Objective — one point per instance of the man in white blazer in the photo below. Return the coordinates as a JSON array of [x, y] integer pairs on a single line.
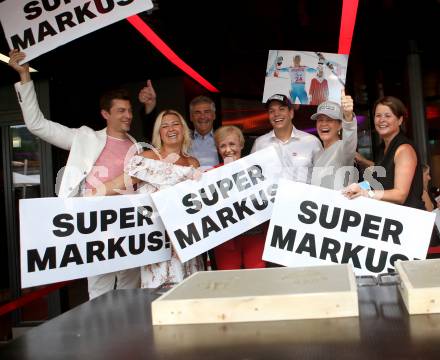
[[90, 152]]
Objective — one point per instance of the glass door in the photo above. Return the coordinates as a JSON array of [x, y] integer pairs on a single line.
[[25, 173]]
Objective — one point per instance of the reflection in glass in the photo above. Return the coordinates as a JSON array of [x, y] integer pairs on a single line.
[[26, 169], [25, 163]]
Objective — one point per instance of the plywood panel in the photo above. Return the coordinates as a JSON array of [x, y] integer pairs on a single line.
[[420, 285], [260, 295]]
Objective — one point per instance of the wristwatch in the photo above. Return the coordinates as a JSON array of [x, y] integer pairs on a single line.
[[370, 194]]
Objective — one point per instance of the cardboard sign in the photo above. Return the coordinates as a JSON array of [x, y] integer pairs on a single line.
[[311, 225], [306, 77], [79, 237], [225, 202], [37, 27]]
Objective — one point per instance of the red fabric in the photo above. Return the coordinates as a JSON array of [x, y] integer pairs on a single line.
[[318, 91], [25, 299], [434, 250], [244, 251]]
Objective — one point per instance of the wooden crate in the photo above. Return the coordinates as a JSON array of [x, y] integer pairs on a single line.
[[420, 285], [201, 337], [259, 295]]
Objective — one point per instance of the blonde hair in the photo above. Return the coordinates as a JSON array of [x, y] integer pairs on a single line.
[[157, 141], [226, 130]]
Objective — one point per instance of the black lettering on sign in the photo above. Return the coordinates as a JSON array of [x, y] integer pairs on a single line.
[[126, 218], [280, 242], [93, 222], [369, 225], [241, 208], [225, 185], [193, 206], [259, 205], [83, 12], [330, 247], [256, 172], [381, 263], [224, 215], [32, 9], [95, 249], [116, 247], [272, 191], [45, 29], [323, 217], [241, 181], [306, 207], [62, 221], [132, 244], [350, 219], [50, 5], [71, 255], [107, 217], [64, 19], [124, 2], [23, 43], [214, 195], [47, 262], [144, 213], [208, 225], [188, 238], [155, 239], [109, 5], [392, 228], [307, 244], [350, 253]]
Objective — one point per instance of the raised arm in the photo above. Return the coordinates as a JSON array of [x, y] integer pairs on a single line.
[[349, 126], [15, 57], [52, 132], [147, 96]]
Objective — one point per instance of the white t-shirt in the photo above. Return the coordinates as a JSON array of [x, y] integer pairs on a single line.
[[297, 154]]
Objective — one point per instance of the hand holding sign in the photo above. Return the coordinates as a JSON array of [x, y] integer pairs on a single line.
[[353, 191], [147, 96], [15, 57], [346, 106]]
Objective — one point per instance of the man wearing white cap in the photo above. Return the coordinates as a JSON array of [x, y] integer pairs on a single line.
[[334, 165], [297, 149]]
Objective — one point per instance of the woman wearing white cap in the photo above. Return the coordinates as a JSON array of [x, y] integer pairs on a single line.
[[334, 168]]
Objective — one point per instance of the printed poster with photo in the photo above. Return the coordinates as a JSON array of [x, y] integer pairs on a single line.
[[306, 77]]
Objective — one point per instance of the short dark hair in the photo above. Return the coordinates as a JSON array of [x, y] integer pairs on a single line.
[[396, 105], [106, 100]]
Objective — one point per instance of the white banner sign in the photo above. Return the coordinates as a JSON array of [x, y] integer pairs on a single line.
[[311, 225], [70, 238], [37, 27], [225, 202]]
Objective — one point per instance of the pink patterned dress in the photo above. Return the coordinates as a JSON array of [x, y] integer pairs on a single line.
[[157, 175]]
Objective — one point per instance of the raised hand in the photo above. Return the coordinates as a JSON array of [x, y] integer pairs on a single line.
[[15, 56], [147, 96], [346, 106]]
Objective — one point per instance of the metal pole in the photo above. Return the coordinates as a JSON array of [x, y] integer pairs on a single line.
[[416, 102]]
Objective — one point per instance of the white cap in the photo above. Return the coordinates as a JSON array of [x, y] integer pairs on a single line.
[[329, 108]]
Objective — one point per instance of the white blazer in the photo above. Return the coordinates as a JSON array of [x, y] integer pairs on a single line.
[[84, 143]]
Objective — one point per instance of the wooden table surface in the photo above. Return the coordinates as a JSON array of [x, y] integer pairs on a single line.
[[117, 325]]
